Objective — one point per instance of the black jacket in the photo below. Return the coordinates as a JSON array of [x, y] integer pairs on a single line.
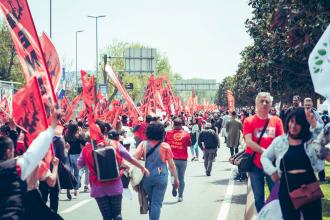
[[210, 139]]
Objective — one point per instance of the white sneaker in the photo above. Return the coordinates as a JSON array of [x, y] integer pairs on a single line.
[[180, 199]]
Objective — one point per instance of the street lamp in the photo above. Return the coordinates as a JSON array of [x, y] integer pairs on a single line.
[[77, 57], [97, 53]]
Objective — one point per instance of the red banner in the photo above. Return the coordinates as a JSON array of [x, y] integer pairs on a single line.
[[66, 109], [89, 100], [121, 89], [28, 48], [4, 110], [75, 101], [231, 101], [88, 89], [28, 110], [52, 60]]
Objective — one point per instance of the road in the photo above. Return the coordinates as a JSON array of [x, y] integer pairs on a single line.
[[216, 197]]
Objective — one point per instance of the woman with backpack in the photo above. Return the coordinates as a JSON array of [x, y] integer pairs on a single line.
[[157, 156], [108, 194]]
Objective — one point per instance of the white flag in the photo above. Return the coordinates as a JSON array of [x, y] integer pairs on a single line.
[[319, 65]]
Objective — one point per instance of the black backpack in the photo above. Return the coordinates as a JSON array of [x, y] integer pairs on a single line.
[[105, 163]]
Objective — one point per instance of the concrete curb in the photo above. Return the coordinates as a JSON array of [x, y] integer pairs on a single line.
[[250, 211]]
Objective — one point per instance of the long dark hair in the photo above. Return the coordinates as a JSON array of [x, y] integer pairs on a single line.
[[71, 132], [299, 115]]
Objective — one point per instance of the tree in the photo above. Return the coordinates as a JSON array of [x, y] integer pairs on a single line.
[[117, 49], [10, 69], [284, 33], [227, 83]]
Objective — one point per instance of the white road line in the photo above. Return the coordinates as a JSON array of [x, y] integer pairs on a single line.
[[76, 206], [225, 206]]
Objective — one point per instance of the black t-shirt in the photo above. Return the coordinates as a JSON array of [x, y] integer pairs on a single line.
[[296, 159], [76, 145]]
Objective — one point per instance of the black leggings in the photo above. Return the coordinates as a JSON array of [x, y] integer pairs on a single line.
[[110, 207], [311, 211]]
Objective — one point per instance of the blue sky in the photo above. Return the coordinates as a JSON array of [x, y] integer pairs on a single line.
[[201, 38]]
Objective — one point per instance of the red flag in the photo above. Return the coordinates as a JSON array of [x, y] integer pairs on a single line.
[[4, 110], [66, 108], [52, 60], [122, 90], [89, 100], [88, 89], [26, 41], [76, 101], [28, 109], [231, 101]]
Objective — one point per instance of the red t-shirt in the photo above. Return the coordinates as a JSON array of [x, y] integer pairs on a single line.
[[140, 131], [179, 140], [254, 125]]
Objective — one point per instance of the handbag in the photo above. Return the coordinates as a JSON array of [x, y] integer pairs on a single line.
[[136, 173], [305, 194], [66, 179], [245, 162]]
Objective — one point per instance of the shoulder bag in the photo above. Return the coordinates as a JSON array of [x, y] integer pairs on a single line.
[[245, 161], [136, 173], [305, 194]]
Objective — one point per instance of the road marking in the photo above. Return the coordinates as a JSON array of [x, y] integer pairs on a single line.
[[76, 206], [225, 206]]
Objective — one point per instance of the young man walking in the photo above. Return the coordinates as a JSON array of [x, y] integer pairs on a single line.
[[179, 140]]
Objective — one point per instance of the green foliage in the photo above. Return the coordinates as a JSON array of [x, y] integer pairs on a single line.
[[284, 33], [9, 64], [227, 83], [117, 49]]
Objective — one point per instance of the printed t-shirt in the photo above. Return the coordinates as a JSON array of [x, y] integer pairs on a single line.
[[179, 140], [164, 151], [254, 125]]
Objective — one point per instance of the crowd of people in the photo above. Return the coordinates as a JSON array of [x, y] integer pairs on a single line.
[[288, 145]]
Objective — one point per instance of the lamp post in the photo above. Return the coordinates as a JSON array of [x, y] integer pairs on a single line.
[[97, 53], [77, 57]]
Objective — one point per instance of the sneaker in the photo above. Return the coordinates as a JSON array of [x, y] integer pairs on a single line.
[[192, 159], [86, 189], [180, 199], [68, 194], [76, 192], [208, 174], [196, 159], [237, 178], [174, 192]]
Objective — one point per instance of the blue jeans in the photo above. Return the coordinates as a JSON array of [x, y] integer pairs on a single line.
[[257, 177], [194, 150], [180, 166], [155, 187], [74, 168]]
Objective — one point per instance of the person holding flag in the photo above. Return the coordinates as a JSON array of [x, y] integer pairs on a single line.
[[14, 171]]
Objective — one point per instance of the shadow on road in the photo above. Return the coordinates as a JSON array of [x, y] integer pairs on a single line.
[[239, 199], [169, 203], [220, 182]]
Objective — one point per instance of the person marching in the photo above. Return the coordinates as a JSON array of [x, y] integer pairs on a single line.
[[179, 140]]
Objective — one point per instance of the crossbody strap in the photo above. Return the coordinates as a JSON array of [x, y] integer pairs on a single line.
[[152, 149], [262, 133], [286, 177]]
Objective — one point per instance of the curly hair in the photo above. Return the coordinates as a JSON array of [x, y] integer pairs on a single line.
[[155, 131]]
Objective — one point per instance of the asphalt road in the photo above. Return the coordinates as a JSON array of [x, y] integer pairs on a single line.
[[215, 197]]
